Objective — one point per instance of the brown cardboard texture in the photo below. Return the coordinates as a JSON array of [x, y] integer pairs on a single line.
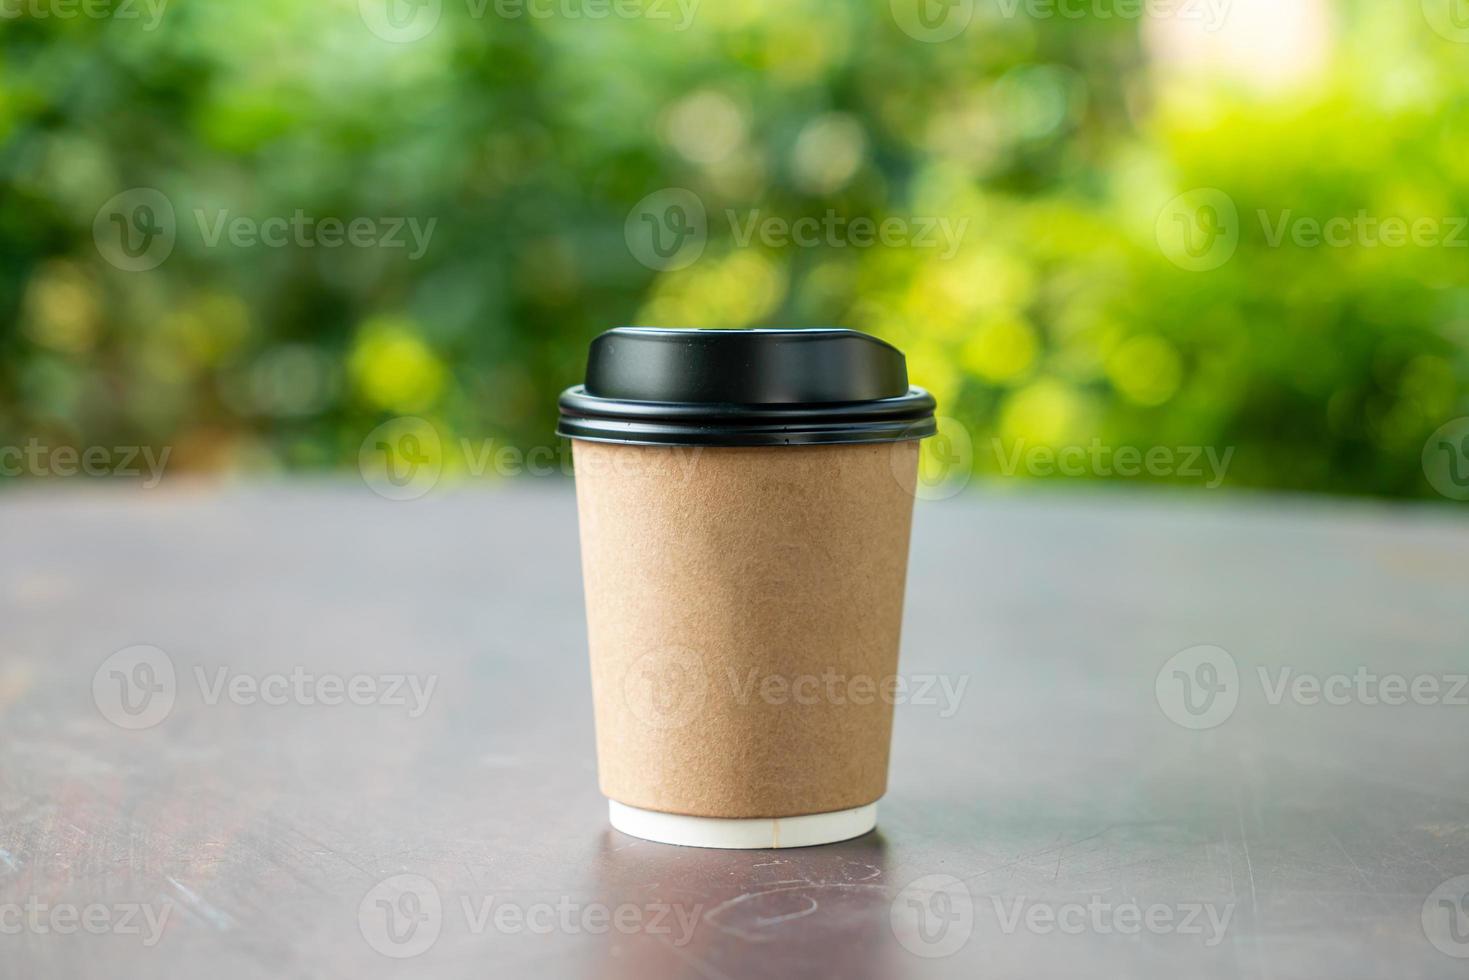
[[743, 610]]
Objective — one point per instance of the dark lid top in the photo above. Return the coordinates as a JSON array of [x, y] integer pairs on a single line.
[[744, 388]]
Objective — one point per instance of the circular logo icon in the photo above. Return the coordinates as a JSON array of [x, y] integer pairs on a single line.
[[932, 21], [1448, 18], [135, 687], [1198, 687], [401, 916], [135, 230], [1446, 917], [1446, 459], [402, 458], [945, 462], [666, 230], [933, 916], [666, 688], [1199, 230], [400, 21]]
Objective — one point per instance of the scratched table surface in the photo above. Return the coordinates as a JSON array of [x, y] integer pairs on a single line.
[[1087, 804]]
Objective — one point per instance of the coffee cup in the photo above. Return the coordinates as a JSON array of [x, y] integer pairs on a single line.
[[745, 503]]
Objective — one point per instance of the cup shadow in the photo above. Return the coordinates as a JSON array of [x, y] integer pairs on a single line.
[[792, 912]]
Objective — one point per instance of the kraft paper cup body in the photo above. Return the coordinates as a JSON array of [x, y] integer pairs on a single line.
[[743, 608]]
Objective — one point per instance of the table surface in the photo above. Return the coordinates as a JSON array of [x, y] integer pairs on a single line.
[[1052, 820]]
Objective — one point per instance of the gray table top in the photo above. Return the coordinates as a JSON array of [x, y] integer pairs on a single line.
[[1088, 805]]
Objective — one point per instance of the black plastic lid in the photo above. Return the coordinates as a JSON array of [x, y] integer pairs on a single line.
[[658, 386]]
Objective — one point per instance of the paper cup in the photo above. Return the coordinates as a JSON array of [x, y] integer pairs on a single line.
[[744, 605]]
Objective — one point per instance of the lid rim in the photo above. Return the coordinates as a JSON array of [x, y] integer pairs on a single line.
[[653, 434], [577, 402]]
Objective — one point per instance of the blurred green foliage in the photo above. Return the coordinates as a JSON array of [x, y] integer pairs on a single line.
[[528, 138]]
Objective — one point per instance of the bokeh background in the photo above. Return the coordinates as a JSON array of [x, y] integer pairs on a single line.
[[530, 136]]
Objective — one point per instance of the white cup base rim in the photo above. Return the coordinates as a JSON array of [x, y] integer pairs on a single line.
[[804, 831]]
